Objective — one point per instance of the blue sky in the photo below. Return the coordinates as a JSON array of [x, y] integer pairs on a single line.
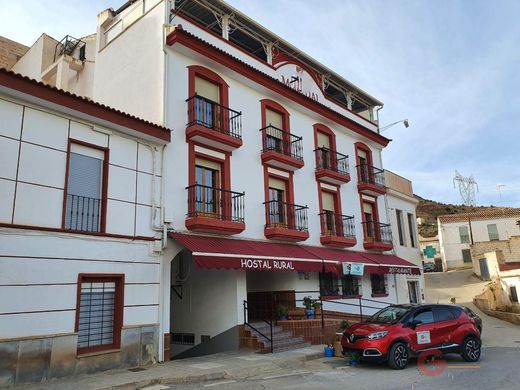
[[450, 66]]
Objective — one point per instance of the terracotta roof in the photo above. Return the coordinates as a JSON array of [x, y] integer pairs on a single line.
[[173, 37], [509, 266], [494, 213], [26, 85]]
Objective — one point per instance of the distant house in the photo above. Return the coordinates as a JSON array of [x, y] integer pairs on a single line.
[[431, 251], [459, 231]]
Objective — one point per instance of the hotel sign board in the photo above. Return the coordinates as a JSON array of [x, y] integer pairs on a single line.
[[295, 77], [355, 269]]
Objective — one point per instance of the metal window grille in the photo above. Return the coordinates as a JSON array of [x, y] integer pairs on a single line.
[[183, 338], [96, 314], [379, 284]]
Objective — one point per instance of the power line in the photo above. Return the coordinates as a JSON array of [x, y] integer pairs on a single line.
[[467, 187]]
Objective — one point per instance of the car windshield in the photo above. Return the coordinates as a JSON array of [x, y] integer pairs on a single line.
[[389, 315]]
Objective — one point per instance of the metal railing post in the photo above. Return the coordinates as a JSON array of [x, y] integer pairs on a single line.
[[360, 311], [272, 340], [322, 318]]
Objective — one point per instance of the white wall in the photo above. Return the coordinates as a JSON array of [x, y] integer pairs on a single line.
[[246, 166], [39, 56], [449, 237], [129, 70], [33, 160], [38, 282]]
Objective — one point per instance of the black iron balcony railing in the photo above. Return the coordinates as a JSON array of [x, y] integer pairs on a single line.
[[83, 213], [275, 139], [368, 174], [211, 202], [331, 160], [68, 45], [338, 225], [285, 215], [207, 113], [377, 232]]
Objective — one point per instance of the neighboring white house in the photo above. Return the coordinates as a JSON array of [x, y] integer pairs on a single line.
[[272, 183], [457, 232], [402, 207], [80, 234], [431, 251]]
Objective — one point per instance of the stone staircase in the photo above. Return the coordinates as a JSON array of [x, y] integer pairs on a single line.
[[282, 340]]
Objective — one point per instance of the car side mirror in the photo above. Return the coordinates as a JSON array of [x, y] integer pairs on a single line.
[[413, 324]]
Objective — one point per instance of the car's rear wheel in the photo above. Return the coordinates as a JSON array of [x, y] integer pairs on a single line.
[[398, 356], [471, 349]]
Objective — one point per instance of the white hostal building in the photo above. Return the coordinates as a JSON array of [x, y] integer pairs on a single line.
[[271, 184]]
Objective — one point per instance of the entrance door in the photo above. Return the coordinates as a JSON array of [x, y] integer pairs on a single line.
[[413, 291], [484, 270]]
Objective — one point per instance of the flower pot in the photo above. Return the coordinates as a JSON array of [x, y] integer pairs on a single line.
[[309, 313], [329, 351]]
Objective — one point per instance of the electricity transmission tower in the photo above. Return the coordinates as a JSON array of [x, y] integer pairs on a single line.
[[467, 187]]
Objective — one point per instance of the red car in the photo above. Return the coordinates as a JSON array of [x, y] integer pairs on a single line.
[[400, 332]]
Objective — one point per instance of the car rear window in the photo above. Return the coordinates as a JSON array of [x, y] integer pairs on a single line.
[[443, 313]]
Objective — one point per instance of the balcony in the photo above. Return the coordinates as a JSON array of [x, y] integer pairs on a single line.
[[337, 230], [286, 221], [378, 236], [281, 149], [215, 210], [214, 125], [371, 180], [83, 214], [331, 167]]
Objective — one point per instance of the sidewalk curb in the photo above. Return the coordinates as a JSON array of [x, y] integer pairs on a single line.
[[229, 374]]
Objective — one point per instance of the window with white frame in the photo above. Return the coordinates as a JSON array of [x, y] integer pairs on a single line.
[[400, 230], [84, 195]]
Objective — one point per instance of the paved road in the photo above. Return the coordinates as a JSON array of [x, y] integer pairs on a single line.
[[498, 369], [463, 286]]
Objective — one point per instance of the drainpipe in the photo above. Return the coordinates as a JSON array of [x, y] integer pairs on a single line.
[[470, 230]]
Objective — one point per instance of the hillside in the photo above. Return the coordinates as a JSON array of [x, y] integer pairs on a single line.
[[429, 210]]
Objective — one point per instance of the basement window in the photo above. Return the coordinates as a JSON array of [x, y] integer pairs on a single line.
[[183, 338]]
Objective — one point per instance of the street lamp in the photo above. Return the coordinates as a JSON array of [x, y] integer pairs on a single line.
[[405, 123]]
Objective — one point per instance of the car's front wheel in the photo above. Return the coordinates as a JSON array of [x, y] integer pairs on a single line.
[[471, 349], [398, 356]]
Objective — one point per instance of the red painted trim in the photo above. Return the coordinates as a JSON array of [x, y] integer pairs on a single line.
[[220, 37], [274, 159], [119, 280], [213, 137], [104, 181], [332, 297], [209, 75], [61, 230], [320, 128], [276, 107], [53, 95], [213, 225], [364, 147], [379, 295], [283, 59], [190, 41], [281, 233], [336, 241]]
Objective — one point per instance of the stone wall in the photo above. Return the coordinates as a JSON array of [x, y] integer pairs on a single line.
[[10, 52], [39, 359], [510, 249]]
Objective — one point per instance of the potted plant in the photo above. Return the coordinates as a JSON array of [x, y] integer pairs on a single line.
[[316, 305], [282, 312], [309, 309], [329, 348], [354, 358]]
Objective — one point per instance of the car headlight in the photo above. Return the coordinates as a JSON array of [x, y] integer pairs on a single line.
[[377, 335]]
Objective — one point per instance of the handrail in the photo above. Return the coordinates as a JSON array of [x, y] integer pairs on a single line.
[[334, 224], [281, 141], [331, 160], [212, 115], [270, 323], [369, 174], [289, 216], [377, 231], [215, 203]]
